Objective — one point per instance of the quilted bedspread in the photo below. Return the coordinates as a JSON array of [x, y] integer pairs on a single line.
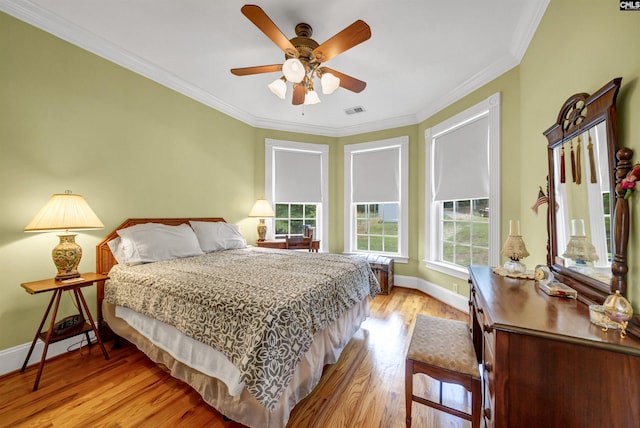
[[259, 307]]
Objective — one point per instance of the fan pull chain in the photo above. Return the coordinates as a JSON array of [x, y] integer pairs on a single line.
[[562, 174], [592, 161], [579, 161]]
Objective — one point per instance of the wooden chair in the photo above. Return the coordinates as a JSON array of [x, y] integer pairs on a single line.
[[443, 350], [299, 242]]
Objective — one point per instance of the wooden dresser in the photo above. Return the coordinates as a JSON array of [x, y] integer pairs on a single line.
[[544, 363]]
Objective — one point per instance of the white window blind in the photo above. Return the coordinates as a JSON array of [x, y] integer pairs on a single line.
[[376, 175], [461, 162], [298, 176]]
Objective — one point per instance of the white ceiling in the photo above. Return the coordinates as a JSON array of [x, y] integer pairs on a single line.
[[422, 55]]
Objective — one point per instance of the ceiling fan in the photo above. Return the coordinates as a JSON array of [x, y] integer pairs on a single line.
[[304, 56]]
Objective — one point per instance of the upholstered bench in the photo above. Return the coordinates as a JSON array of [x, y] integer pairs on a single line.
[[382, 267], [443, 350]]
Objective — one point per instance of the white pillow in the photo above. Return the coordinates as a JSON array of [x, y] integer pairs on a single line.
[[152, 242], [127, 242], [216, 236], [117, 249]]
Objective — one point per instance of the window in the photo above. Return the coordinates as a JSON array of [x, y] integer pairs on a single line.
[[376, 198], [296, 181], [465, 232], [291, 219], [377, 227], [463, 190]]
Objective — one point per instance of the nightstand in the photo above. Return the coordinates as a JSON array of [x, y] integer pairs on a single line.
[[69, 326]]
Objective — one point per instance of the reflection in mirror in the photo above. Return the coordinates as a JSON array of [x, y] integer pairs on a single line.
[[582, 195]]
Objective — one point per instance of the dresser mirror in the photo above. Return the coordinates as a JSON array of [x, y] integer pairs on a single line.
[[588, 217]]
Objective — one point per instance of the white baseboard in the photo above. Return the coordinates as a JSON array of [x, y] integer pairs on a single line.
[[12, 359], [446, 296]]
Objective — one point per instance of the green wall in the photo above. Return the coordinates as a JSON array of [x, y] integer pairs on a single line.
[[578, 47], [133, 148]]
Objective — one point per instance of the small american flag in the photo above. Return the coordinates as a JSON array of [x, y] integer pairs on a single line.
[[542, 199]]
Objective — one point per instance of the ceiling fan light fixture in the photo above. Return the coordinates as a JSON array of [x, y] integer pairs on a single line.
[[329, 83], [311, 98], [294, 70], [278, 87]]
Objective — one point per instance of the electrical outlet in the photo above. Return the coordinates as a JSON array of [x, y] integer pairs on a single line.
[[455, 287]]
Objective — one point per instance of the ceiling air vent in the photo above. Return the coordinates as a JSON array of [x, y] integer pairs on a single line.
[[354, 110]]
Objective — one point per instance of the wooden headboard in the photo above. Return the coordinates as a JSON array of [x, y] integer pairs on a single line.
[[105, 260]]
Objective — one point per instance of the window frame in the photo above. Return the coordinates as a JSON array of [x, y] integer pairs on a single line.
[[433, 210], [322, 211], [350, 225]]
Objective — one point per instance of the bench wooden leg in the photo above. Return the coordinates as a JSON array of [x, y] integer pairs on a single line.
[[408, 390]]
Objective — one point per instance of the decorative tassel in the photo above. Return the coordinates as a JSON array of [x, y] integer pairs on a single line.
[[579, 161], [562, 175], [592, 161], [573, 164]]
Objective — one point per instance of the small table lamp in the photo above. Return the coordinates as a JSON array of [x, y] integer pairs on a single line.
[[515, 249], [579, 248], [262, 209], [65, 212]]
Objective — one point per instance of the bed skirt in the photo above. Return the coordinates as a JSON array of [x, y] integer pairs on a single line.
[[245, 409]]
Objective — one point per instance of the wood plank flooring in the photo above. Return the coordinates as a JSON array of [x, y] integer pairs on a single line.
[[365, 388]]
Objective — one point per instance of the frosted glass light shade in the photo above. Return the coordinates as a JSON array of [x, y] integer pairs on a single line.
[[293, 70], [311, 98], [329, 83], [279, 88]]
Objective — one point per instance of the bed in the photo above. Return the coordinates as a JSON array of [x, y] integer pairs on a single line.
[[249, 328]]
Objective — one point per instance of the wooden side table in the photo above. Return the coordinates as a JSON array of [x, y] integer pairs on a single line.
[[82, 327], [281, 244]]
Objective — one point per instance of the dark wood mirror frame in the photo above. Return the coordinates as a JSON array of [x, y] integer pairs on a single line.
[[573, 120]]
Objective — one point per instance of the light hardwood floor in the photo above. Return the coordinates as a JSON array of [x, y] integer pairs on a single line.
[[365, 388]]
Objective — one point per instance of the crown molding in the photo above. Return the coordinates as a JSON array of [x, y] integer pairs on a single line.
[[38, 17], [526, 28], [35, 15]]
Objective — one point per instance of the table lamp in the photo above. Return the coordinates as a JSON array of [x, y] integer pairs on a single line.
[[515, 249], [65, 211], [262, 209], [579, 248]]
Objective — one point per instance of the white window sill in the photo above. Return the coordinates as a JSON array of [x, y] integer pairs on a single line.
[[396, 259], [449, 269]]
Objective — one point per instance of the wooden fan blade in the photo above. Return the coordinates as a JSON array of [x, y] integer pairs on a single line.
[[346, 81], [351, 36], [266, 25], [299, 93], [246, 71]]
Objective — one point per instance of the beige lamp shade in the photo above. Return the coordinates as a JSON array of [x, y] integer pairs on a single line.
[[65, 211], [261, 209]]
